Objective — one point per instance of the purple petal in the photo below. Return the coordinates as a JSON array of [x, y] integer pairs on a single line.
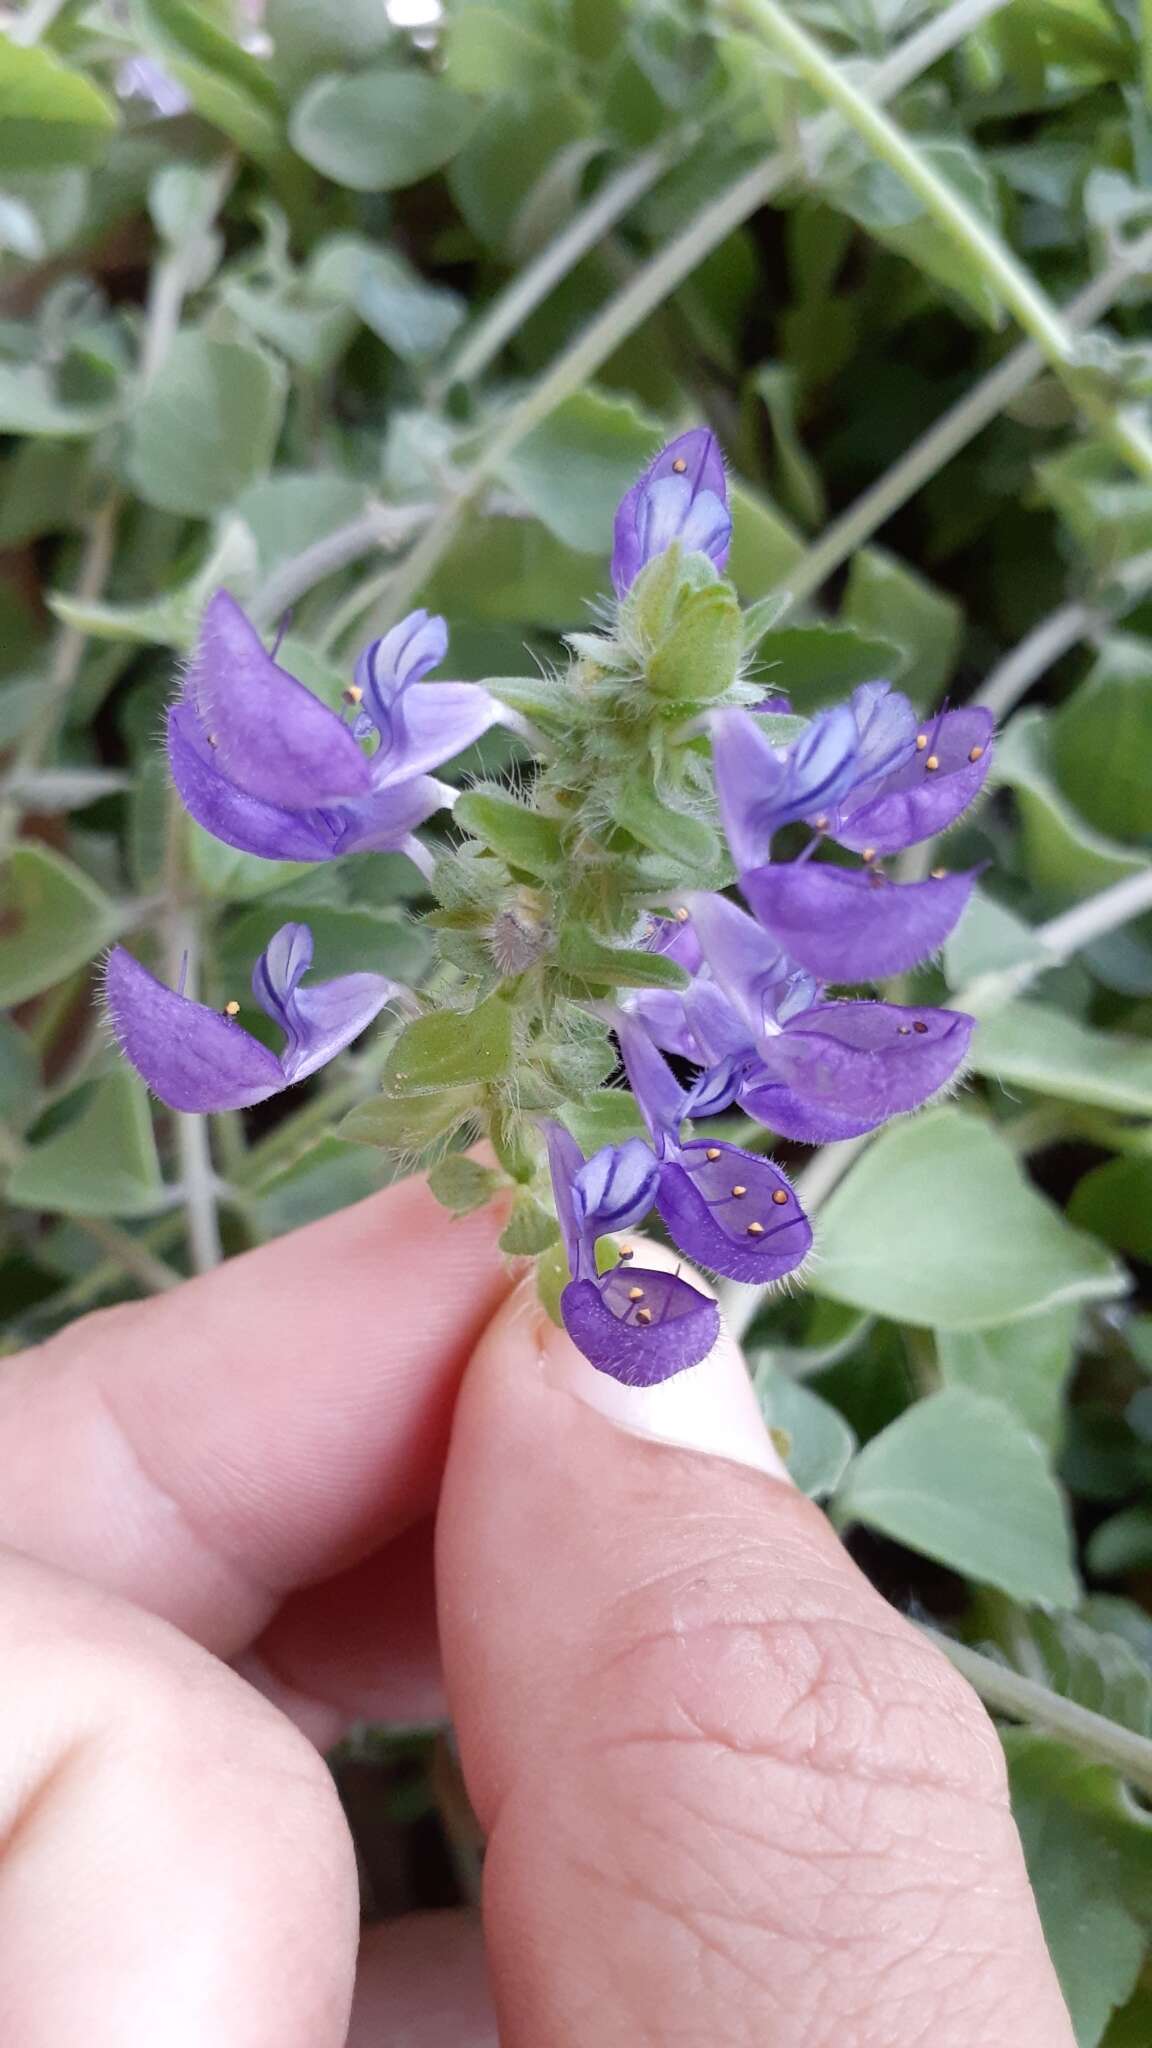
[[401, 657], [565, 1160], [761, 787], [682, 495], [192, 1057], [661, 1013], [242, 821], [604, 1322], [850, 924], [384, 821], [750, 968], [676, 939], [843, 1068], [886, 726], [428, 725], [614, 1189], [318, 1022], [733, 1212], [272, 738], [916, 801], [657, 1091]]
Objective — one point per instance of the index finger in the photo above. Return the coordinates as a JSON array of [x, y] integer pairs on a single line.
[[258, 1429]]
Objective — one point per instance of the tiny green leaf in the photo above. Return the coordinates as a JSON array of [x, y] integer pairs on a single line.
[[584, 957], [524, 838], [409, 1125], [447, 1049], [462, 1184], [208, 424], [529, 1229]]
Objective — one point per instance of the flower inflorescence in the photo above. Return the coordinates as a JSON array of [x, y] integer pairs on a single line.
[[583, 918]]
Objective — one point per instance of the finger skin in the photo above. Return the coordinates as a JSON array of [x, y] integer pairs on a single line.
[[174, 1865], [733, 1799], [422, 1983], [258, 1429]]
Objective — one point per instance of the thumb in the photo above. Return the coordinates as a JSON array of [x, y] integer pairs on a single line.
[[730, 1795]]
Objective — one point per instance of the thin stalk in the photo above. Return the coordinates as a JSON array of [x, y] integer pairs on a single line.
[[382, 526], [1062, 630], [1025, 1699], [654, 283], [193, 1146], [1061, 937], [63, 669], [531, 286], [35, 22], [1010, 282], [154, 1275], [953, 431]]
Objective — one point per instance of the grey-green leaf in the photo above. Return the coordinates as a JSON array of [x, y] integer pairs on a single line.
[[936, 1224], [959, 1479], [54, 920], [381, 129], [207, 426]]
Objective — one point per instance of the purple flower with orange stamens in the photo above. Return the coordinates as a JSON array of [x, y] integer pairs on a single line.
[[682, 496], [265, 766], [199, 1059]]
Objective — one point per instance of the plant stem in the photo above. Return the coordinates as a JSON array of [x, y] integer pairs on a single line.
[[953, 431], [1062, 630], [197, 1174], [1125, 433], [531, 286], [1025, 1699], [63, 669], [655, 282], [155, 1275], [35, 22], [381, 526]]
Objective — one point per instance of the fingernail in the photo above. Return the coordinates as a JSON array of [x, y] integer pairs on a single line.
[[711, 1408]]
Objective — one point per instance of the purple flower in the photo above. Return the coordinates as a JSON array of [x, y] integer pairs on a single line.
[[637, 1324], [141, 78], [762, 1034], [854, 924], [762, 787], [199, 1059], [923, 793], [265, 766], [730, 1210], [682, 496]]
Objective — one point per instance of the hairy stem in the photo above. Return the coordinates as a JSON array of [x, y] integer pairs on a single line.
[[1025, 1699], [641, 296], [953, 431], [1006, 278]]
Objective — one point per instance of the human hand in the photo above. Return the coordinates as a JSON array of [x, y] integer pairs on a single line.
[[730, 1795]]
